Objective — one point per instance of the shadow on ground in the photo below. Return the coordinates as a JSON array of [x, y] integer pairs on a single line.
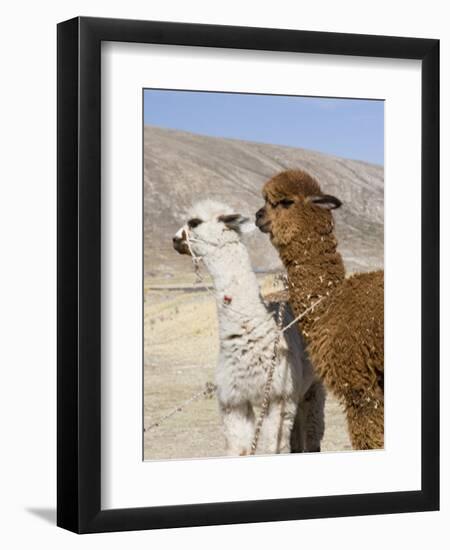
[[46, 514]]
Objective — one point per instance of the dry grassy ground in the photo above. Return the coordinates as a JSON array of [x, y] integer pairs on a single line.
[[180, 350]]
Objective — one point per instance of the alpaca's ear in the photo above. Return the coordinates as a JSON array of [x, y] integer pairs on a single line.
[[326, 201], [237, 222]]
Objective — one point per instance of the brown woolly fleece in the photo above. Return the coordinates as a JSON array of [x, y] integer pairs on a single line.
[[345, 331]]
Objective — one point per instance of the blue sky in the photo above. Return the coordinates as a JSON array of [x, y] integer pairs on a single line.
[[349, 128]]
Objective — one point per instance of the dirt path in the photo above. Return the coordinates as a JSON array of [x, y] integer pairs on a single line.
[[180, 351]]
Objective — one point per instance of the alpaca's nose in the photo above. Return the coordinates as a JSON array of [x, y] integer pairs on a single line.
[[259, 214], [179, 243]]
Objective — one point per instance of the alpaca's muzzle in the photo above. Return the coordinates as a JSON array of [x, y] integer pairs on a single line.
[[180, 244], [261, 221]]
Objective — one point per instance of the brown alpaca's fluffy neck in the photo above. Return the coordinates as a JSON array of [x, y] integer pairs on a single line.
[[314, 269]]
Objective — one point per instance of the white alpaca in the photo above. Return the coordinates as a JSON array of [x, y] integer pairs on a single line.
[[247, 332]]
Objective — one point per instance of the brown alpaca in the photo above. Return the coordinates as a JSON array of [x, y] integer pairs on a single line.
[[345, 331]]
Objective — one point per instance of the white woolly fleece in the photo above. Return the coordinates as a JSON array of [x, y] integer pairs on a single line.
[[247, 331]]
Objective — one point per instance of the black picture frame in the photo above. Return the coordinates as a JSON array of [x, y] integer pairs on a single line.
[[79, 276]]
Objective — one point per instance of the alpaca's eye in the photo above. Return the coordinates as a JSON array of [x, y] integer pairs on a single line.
[[194, 223], [286, 203]]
